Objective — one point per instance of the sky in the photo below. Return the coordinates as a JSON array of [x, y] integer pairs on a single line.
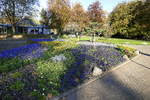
[[107, 5]]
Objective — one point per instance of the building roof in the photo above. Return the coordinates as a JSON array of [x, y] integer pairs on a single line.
[[26, 22]]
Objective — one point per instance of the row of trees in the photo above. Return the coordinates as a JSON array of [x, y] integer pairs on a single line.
[[61, 16], [131, 20], [127, 20]]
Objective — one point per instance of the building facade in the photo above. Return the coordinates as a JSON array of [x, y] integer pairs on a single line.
[[26, 26]]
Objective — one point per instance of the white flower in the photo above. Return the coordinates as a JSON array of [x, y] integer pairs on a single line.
[[34, 90], [59, 58]]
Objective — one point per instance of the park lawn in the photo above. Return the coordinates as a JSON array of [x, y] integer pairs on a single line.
[[122, 41], [113, 40]]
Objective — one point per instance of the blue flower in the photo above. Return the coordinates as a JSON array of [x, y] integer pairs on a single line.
[[23, 52]]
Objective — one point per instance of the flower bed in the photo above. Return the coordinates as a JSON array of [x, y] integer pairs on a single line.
[[17, 57], [130, 52], [45, 77], [37, 80], [86, 58], [20, 51]]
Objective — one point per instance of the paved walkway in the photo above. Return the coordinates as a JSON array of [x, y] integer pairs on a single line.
[[129, 82]]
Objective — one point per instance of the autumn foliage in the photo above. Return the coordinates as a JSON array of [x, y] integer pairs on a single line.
[[75, 18], [95, 12]]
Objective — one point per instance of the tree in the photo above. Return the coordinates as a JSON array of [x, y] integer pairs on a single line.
[[120, 18], [45, 17], [96, 16], [1, 20], [94, 27], [59, 14], [15, 10], [131, 20], [79, 16], [142, 19], [95, 12]]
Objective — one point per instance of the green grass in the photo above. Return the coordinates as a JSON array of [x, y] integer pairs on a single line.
[[112, 40], [123, 41]]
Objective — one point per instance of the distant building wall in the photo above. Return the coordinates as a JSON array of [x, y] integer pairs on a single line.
[[5, 28]]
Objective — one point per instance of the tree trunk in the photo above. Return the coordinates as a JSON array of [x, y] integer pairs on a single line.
[[93, 37], [13, 29], [42, 30], [13, 17]]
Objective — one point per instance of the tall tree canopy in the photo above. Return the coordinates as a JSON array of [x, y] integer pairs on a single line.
[[78, 17], [95, 12], [45, 17], [60, 14], [131, 20], [96, 18], [15, 10]]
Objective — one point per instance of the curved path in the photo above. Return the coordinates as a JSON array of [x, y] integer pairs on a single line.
[[129, 82]]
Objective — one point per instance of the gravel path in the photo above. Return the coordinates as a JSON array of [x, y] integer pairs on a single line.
[[129, 82], [97, 44]]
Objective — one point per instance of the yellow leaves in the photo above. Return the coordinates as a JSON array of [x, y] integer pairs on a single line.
[[60, 48], [60, 13], [126, 48], [51, 43]]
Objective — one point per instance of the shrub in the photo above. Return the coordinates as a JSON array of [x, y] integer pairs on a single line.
[[65, 36], [131, 20], [50, 73], [130, 52], [16, 75], [18, 85], [37, 94], [9, 64]]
